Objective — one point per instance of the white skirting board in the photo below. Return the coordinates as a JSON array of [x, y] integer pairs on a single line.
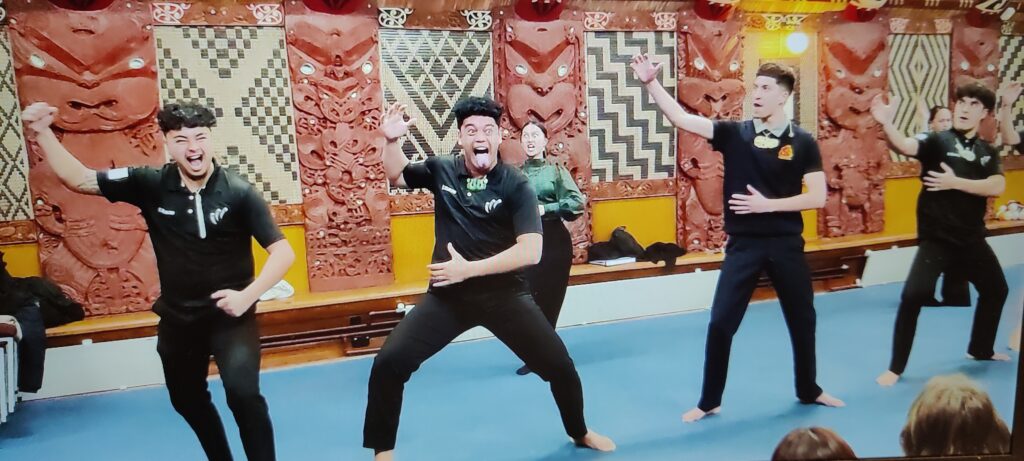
[[134, 362], [99, 367], [892, 266]]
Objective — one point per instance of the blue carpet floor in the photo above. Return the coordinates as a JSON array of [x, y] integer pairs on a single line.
[[639, 376]]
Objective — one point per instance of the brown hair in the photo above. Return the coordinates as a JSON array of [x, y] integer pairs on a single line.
[[812, 443], [538, 124], [977, 91], [953, 416], [934, 112], [783, 75]]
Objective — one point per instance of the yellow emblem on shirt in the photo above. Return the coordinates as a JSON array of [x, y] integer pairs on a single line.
[[786, 153]]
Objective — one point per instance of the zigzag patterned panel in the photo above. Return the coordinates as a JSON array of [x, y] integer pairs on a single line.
[[631, 138], [242, 73], [15, 202], [1012, 65], [430, 70], [918, 67]]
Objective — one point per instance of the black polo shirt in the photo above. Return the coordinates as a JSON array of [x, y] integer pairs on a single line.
[[776, 173], [202, 241], [482, 223], [954, 216]]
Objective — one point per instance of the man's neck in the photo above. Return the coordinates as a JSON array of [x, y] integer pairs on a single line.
[[968, 134], [194, 185], [774, 121]]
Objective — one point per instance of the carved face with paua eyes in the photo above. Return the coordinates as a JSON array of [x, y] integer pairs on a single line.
[[711, 85], [541, 61], [855, 71], [65, 58]]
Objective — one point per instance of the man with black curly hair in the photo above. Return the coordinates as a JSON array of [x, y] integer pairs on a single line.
[[202, 219], [959, 172]]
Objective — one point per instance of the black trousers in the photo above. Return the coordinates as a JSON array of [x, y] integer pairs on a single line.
[[549, 278], [956, 289], [745, 258], [514, 319], [234, 343], [981, 267]]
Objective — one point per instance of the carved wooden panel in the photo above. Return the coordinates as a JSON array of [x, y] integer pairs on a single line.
[[539, 73], [975, 58], [710, 84], [23, 231], [629, 188], [99, 68], [335, 70], [854, 69], [218, 13]]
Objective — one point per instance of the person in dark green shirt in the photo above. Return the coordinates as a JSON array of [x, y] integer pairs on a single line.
[[560, 199]]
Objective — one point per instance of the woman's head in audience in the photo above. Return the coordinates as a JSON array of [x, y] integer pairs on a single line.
[[812, 443], [953, 416]]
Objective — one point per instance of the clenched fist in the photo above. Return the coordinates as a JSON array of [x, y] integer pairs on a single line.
[[39, 116]]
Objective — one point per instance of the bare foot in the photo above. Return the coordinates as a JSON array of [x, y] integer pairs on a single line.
[[385, 456], [999, 357], [595, 441], [1015, 340], [696, 414], [829, 401], [887, 379]]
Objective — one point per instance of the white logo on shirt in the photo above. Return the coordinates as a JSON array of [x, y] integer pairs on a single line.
[[491, 205], [985, 159], [448, 189], [217, 215], [164, 211], [962, 152]]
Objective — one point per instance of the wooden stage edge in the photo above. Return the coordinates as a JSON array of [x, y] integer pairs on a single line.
[[323, 326]]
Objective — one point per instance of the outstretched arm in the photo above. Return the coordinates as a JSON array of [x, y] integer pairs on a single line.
[[393, 126], [39, 116], [1007, 97], [647, 72], [884, 114]]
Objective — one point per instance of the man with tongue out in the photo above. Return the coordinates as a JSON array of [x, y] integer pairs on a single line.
[[767, 160], [202, 219], [487, 229]]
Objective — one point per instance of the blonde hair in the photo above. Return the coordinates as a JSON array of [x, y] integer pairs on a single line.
[[812, 443], [953, 416]]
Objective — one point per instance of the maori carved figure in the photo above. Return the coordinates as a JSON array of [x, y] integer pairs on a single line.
[[539, 70], [99, 69], [710, 84], [334, 65], [975, 58], [854, 69]]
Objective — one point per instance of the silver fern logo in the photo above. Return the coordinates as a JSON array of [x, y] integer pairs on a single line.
[[217, 215], [492, 205]]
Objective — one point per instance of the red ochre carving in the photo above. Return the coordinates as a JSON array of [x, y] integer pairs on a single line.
[[854, 69], [98, 68], [539, 74], [334, 64], [975, 58], [711, 85]]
